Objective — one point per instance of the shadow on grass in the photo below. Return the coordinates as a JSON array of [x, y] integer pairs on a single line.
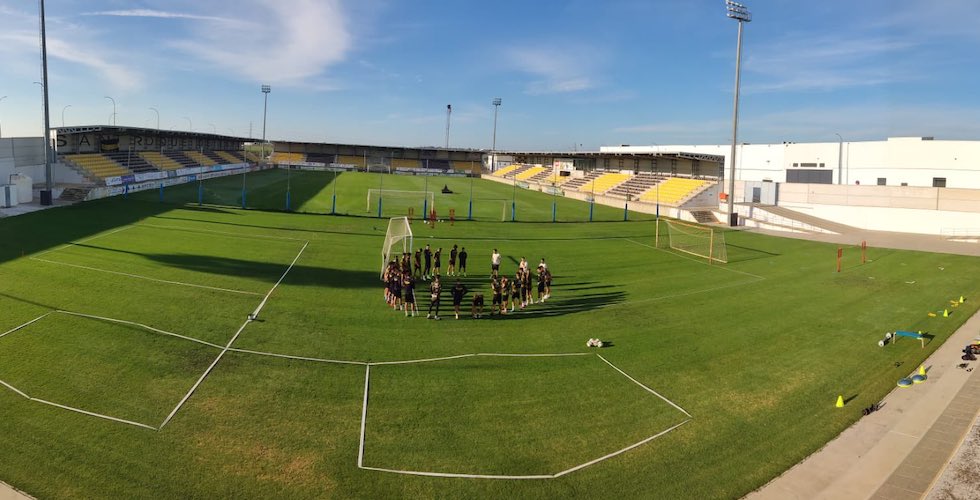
[[269, 272]]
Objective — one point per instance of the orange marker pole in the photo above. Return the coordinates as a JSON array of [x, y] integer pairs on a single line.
[[840, 253], [864, 252]]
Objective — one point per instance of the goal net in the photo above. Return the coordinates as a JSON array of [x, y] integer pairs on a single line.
[[398, 240], [394, 201], [696, 240]]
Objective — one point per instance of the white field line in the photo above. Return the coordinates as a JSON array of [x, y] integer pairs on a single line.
[[624, 450], [232, 341], [93, 414], [454, 475], [360, 447], [367, 376], [724, 268], [39, 318], [141, 325], [299, 358], [533, 355], [138, 276], [224, 233], [410, 361], [12, 388], [83, 241], [255, 313], [651, 391]]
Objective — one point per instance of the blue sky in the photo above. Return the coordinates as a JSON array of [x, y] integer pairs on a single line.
[[571, 74]]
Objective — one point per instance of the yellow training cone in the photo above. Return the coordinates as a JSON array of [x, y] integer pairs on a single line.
[[932, 314], [922, 370], [945, 313], [840, 401], [961, 299]]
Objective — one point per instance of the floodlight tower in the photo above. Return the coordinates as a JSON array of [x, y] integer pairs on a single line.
[[449, 114], [1, 130], [265, 109], [113, 110], [493, 147], [740, 13]]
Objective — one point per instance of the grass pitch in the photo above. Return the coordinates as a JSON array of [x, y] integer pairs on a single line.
[[756, 351]]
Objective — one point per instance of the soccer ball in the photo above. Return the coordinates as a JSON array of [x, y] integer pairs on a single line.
[[251, 316]]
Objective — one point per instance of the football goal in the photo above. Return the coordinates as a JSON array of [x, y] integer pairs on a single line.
[[397, 198], [398, 240], [700, 241]]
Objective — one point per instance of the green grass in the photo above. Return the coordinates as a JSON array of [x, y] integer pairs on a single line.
[[756, 350]]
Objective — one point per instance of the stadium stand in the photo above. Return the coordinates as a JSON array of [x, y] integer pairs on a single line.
[[550, 178], [604, 182], [281, 157], [321, 158], [405, 163], [675, 190], [503, 172], [466, 166], [439, 164], [636, 186], [96, 165], [581, 181], [131, 161], [215, 157], [230, 157], [180, 157], [351, 160], [200, 158], [529, 173], [160, 161]]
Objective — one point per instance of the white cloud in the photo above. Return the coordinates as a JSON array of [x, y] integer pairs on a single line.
[[295, 42], [19, 45], [557, 70], [826, 63], [157, 14]]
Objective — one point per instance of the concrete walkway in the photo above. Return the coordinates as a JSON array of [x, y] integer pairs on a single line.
[[7, 492], [900, 451]]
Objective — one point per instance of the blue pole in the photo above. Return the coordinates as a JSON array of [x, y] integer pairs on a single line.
[[161, 192], [554, 212], [425, 208], [379, 206], [470, 215], [333, 207], [626, 211], [591, 208], [200, 193], [125, 191], [513, 211], [287, 201]]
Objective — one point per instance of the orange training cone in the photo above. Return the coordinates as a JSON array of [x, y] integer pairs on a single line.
[[840, 401]]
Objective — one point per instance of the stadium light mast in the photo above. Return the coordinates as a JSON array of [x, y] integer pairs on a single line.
[[63, 114], [265, 110], [840, 159], [740, 13], [449, 114], [113, 110], [189, 123], [46, 195], [493, 147]]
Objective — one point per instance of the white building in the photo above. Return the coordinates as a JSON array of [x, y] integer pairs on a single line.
[[897, 161]]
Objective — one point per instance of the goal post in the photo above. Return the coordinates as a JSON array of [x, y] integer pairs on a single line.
[[693, 239], [424, 199], [398, 240]]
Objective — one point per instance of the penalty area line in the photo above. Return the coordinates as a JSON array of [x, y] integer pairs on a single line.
[[651, 391], [39, 318], [93, 414], [140, 325]]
